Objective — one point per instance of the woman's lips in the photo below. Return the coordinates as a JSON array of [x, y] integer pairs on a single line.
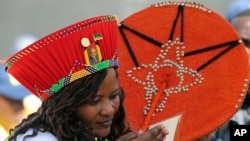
[[105, 123]]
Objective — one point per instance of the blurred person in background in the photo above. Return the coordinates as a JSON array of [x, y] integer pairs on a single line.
[[13, 96], [236, 7], [241, 22]]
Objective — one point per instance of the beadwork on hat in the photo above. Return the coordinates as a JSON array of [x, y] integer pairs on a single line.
[[181, 59], [64, 56]]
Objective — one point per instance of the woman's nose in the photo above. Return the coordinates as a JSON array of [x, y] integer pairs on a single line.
[[107, 108]]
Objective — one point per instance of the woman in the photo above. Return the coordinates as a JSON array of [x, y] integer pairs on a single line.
[[67, 119], [81, 102]]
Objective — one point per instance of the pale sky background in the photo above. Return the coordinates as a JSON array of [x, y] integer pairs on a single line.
[[41, 17]]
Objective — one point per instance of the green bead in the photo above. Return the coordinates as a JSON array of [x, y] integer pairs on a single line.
[[56, 87], [102, 65]]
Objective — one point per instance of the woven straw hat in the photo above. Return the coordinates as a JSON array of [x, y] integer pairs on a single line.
[[184, 64], [64, 56]]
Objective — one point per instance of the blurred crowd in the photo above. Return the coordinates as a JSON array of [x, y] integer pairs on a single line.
[[16, 102]]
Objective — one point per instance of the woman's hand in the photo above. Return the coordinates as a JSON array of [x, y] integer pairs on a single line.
[[157, 133]]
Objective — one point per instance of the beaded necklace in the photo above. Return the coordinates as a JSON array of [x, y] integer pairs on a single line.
[[96, 139]]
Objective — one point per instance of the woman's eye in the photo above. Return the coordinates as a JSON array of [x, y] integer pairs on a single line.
[[95, 101], [114, 96]]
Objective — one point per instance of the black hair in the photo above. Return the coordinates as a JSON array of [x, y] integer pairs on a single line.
[[57, 115]]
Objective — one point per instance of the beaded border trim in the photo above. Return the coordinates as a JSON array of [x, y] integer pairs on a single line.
[[183, 3], [57, 35], [77, 75], [243, 93]]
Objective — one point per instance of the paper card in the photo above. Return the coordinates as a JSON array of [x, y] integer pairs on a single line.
[[171, 125]]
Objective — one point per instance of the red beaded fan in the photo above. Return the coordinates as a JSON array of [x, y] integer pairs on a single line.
[[183, 65]]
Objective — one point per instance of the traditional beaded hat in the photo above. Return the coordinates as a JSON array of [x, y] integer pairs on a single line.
[[183, 65], [66, 55]]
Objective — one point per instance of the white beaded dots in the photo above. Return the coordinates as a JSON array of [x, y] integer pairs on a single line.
[[149, 83], [243, 92], [183, 3]]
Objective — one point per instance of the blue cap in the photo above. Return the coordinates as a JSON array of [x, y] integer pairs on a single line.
[[236, 7], [22, 41], [11, 88]]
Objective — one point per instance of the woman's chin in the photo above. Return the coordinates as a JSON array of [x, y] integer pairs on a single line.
[[102, 132]]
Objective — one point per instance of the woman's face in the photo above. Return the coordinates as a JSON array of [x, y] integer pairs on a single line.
[[99, 113]]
